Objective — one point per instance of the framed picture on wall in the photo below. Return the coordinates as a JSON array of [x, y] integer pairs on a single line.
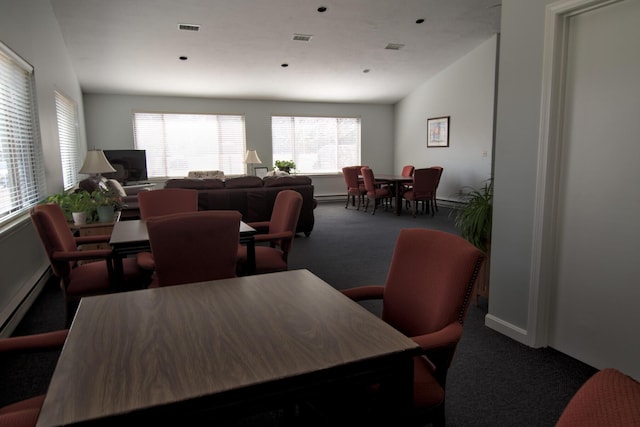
[[261, 171], [438, 132]]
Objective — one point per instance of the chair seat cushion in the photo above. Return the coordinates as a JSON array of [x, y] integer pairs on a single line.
[[92, 278], [32, 403], [268, 260], [145, 260]]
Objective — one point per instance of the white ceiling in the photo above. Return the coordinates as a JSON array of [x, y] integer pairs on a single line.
[[133, 46]]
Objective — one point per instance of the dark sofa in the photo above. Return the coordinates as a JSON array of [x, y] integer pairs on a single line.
[[252, 196]]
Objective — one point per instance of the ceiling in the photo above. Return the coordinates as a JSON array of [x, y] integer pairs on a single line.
[[134, 46]]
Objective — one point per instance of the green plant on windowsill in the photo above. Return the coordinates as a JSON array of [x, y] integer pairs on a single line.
[[107, 197], [285, 165], [73, 201]]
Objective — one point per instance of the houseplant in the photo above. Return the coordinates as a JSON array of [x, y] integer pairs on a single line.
[[474, 222], [77, 205], [106, 201], [285, 165]]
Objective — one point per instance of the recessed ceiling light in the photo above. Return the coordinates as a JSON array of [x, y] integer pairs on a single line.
[[322, 9], [420, 21], [183, 58]]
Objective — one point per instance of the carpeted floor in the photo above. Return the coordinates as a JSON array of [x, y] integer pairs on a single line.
[[494, 381]]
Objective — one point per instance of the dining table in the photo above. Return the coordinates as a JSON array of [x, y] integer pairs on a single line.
[[397, 182], [131, 236], [202, 352]]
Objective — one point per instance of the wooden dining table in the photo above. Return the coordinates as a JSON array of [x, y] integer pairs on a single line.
[[396, 181], [224, 349], [131, 236]]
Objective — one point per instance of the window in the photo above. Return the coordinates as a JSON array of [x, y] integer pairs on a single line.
[[67, 114], [22, 182], [316, 144], [178, 143]]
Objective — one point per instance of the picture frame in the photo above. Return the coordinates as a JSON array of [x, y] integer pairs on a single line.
[[438, 132], [261, 171]]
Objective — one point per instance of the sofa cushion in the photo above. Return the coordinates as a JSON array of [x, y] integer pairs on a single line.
[[248, 181], [286, 181], [196, 184], [206, 174]]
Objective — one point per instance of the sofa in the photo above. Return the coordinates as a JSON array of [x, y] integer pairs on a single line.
[[252, 196]]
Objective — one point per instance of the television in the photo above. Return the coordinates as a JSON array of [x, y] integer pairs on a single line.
[[130, 166]]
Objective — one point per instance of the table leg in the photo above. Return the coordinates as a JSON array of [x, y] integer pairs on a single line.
[[398, 198], [251, 255]]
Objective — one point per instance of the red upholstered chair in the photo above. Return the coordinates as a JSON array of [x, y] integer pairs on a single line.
[[24, 413], [425, 181], [163, 202], [608, 398], [194, 246], [77, 279], [426, 296], [279, 232], [355, 188], [375, 192], [440, 169]]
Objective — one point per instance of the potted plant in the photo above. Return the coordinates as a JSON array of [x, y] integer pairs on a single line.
[[474, 222], [285, 165], [106, 201], [77, 205]]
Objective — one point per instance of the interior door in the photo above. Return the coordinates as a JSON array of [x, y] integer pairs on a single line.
[[595, 313]]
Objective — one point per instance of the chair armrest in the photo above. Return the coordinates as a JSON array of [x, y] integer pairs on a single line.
[[446, 337], [361, 293], [259, 225], [82, 255], [273, 236], [35, 342]]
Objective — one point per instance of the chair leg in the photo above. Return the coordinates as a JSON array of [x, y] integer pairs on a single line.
[[415, 208], [347, 205]]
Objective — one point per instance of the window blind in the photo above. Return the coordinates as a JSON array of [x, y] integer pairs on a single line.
[[67, 116], [316, 144], [178, 143], [22, 183]]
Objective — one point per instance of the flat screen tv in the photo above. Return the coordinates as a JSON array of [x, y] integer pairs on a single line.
[[130, 165]]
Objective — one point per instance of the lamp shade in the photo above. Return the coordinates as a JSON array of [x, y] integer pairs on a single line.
[[252, 157], [96, 163]]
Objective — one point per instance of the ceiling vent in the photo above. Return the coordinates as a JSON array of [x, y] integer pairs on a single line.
[[394, 46], [189, 27], [302, 37]]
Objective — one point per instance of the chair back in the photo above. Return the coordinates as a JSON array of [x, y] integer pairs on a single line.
[[439, 169], [196, 246], [284, 217], [407, 170], [425, 181], [167, 201], [56, 236], [369, 180], [430, 280], [351, 177]]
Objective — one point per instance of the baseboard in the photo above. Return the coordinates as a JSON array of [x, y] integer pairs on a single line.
[[506, 328], [11, 320]]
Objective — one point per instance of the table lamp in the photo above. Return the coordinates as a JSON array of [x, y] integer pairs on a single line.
[[95, 164], [251, 158]]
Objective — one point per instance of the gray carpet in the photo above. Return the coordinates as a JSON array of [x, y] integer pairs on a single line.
[[494, 381]]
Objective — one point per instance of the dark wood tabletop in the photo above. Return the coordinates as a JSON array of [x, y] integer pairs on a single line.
[[167, 353]]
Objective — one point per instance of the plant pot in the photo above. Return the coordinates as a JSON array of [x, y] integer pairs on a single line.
[[105, 213], [79, 218]]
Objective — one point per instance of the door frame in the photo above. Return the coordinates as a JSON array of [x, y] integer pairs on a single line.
[[543, 259]]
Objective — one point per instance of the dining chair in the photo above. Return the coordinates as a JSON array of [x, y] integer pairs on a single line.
[[355, 188], [164, 201], [425, 296], [425, 181], [24, 413], [192, 247], [440, 169], [64, 250], [407, 171], [375, 192], [275, 237]]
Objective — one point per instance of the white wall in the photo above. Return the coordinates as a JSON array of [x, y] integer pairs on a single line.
[[109, 125], [29, 28], [465, 92]]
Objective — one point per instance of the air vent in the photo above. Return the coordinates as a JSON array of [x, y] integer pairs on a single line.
[[302, 37], [394, 46], [189, 27]]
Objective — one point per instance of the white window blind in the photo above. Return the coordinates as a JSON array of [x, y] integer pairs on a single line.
[[178, 143], [316, 144], [22, 182], [67, 115]]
